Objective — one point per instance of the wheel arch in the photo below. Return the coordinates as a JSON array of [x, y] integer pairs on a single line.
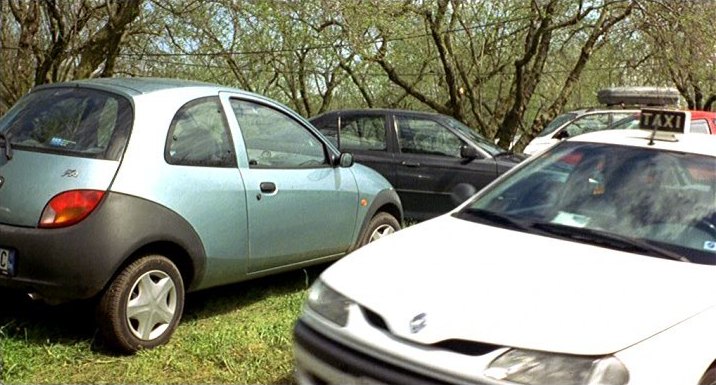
[[385, 201], [149, 228], [178, 255]]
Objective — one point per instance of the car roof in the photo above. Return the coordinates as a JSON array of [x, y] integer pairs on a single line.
[[378, 110], [134, 86], [702, 114], [603, 109], [688, 143]]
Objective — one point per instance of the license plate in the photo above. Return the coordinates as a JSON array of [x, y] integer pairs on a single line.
[[7, 261]]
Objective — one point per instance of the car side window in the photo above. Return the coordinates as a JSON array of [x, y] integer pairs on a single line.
[[617, 116], [362, 132], [423, 136], [587, 123], [699, 126], [328, 126], [198, 136], [275, 140]]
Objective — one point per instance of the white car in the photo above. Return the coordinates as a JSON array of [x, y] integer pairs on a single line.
[[619, 103], [590, 263]]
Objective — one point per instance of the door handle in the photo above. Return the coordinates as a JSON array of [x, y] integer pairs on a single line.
[[267, 187], [410, 164]]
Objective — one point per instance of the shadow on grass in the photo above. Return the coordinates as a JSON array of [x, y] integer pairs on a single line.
[[224, 299], [74, 323]]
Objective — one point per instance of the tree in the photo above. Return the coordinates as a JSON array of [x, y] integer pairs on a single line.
[[50, 41], [679, 33], [549, 20]]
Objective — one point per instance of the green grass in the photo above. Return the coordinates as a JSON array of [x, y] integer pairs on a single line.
[[233, 334]]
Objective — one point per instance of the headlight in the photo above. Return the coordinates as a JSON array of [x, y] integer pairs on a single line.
[[328, 303], [540, 368]]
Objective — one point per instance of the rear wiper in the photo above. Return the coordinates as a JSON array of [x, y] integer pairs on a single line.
[[8, 147], [492, 217], [610, 240]]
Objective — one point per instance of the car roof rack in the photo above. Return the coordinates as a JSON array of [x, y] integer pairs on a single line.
[[639, 96]]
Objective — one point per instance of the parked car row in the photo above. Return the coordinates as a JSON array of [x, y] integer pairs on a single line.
[[136, 191]]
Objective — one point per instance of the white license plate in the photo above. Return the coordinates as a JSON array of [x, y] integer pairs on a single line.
[[7, 261]]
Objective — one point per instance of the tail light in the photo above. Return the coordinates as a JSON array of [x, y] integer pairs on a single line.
[[69, 207]]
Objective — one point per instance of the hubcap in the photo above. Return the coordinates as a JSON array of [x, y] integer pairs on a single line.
[[152, 305], [381, 231]]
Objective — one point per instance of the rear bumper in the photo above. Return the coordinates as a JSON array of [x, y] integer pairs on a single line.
[[78, 261], [60, 264]]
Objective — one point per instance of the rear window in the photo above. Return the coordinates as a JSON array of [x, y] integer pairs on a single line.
[[70, 121]]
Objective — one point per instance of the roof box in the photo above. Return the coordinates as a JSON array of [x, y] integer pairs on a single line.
[[639, 96]]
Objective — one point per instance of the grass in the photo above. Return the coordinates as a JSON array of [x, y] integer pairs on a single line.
[[233, 334]]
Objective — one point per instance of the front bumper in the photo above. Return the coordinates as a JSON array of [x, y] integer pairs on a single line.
[[320, 360]]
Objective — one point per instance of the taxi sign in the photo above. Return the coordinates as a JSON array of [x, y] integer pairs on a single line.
[[664, 120]]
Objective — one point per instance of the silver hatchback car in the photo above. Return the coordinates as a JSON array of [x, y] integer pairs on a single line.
[[137, 190]]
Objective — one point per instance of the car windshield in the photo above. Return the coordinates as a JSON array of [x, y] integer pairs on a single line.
[[630, 122], [478, 139], [69, 121], [637, 199], [557, 123]]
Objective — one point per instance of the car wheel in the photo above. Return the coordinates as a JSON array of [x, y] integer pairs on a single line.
[[380, 225], [143, 305], [709, 378]]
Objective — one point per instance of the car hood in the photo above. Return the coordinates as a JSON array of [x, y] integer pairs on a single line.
[[481, 283]]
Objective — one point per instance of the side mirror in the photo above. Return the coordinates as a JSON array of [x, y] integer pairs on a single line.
[[345, 160], [562, 135], [468, 152]]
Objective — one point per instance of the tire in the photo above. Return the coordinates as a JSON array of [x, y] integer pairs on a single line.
[[709, 378], [380, 225], [142, 306]]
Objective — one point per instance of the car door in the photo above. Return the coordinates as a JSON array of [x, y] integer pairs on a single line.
[[300, 207], [364, 134], [429, 166]]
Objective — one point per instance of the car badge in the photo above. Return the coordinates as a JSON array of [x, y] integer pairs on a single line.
[[418, 323], [2, 181], [70, 173]]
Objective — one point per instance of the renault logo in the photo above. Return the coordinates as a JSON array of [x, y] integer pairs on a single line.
[[418, 323]]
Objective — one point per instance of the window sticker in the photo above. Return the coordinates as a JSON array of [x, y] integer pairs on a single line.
[[60, 142], [710, 245], [574, 220]]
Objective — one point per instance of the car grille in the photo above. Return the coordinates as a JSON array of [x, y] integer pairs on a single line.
[[466, 347]]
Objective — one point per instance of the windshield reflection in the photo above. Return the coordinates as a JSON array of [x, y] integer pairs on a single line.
[[665, 199]]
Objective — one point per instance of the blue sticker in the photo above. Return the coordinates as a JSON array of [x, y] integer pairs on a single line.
[[56, 142], [59, 142], [710, 245]]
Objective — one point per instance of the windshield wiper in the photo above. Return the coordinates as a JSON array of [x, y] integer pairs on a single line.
[[8, 147], [610, 240], [493, 218]]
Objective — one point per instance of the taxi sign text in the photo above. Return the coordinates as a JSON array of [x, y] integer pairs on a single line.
[[663, 120]]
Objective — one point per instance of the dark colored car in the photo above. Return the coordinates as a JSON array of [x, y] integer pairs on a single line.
[[432, 160]]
